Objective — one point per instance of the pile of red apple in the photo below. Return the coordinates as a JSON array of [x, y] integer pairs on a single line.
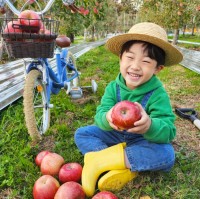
[[61, 180], [56, 172], [28, 21]]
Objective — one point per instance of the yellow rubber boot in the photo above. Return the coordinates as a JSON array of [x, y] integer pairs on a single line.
[[115, 180], [95, 163]]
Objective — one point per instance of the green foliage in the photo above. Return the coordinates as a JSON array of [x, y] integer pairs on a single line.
[[18, 171], [169, 14]]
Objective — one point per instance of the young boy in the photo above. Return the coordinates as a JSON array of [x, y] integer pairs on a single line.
[[143, 52]]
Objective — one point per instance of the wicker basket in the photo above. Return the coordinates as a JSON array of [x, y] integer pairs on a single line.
[[30, 41]]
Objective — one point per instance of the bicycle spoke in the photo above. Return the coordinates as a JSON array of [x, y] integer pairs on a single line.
[[39, 106], [40, 124]]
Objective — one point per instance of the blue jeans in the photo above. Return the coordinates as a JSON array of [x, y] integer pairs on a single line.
[[142, 154]]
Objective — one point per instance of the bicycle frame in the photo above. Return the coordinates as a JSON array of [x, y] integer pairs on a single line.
[[54, 81]]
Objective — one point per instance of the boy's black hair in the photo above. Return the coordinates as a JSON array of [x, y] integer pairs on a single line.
[[153, 51]]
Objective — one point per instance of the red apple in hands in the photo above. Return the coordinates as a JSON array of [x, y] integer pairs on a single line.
[[45, 187], [105, 195], [40, 156], [70, 172], [70, 190], [125, 114], [30, 18], [51, 164]]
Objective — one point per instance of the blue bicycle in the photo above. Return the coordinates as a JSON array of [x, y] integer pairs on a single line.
[[41, 80]]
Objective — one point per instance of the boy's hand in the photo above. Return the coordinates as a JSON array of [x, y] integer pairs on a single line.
[[109, 119], [142, 125]]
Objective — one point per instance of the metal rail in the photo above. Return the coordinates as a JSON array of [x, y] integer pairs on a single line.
[[12, 73]]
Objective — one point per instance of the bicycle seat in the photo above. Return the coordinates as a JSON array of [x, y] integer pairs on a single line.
[[63, 41]]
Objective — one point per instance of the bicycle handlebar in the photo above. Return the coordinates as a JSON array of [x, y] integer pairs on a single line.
[[69, 3]]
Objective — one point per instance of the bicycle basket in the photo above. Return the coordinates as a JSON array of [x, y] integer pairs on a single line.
[[32, 40]]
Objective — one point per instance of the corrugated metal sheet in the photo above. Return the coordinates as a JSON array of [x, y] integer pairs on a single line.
[[191, 59], [12, 73]]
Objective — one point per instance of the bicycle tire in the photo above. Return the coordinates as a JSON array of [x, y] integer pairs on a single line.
[[71, 59], [36, 106]]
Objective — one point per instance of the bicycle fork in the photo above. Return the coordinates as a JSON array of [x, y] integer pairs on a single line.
[[41, 66]]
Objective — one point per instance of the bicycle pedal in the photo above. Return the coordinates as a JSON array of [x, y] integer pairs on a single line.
[[76, 93]]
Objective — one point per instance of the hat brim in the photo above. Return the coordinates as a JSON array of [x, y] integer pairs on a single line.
[[172, 54]]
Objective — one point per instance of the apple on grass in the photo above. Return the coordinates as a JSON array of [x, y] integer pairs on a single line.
[[30, 18], [125, 114], [105, 195], [70, 172], [45, 187], [70, 190], [40, 156], [51, 164]]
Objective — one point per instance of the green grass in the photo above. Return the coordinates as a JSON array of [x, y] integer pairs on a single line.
[[78, 39], [18, 171], [188, 37]]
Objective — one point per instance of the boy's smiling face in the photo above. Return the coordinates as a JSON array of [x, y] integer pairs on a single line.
[[137, 67]]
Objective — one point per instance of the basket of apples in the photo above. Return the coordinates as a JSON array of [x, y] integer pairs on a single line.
[[29, 35]]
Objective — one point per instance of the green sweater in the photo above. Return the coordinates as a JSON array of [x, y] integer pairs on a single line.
[[158, 107]]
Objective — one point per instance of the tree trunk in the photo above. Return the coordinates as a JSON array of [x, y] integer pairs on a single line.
[[85, 34], [193, 27], [176, 35], [93, 32], [71, 36], [184, 28]]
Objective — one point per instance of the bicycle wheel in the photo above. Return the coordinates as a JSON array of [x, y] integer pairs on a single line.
[[36, 106], [71, 60]]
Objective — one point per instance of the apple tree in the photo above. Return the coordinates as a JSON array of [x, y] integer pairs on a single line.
[[94, 20], [126, 14], [171, 14], [74, 22]]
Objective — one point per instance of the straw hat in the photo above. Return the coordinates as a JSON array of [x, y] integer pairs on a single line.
[[151, 33]]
